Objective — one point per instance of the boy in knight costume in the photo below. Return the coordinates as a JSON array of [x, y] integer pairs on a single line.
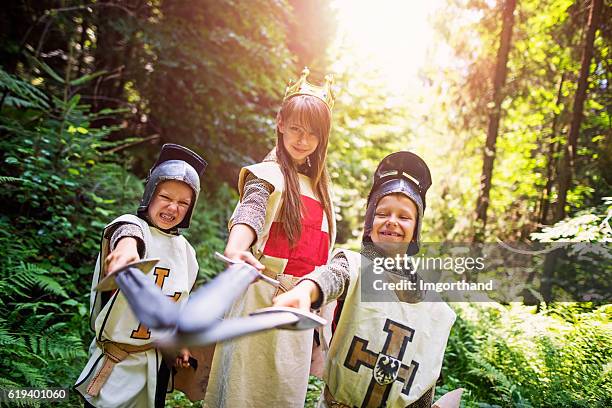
[[382, 354], [125, 369], [283, 225]]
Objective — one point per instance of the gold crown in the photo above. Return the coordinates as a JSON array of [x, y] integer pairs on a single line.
[[303, 87]]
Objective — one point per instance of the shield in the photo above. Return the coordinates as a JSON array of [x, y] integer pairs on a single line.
[[386, 369]]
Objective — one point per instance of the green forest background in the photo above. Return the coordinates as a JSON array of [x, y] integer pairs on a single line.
[[516, 131]]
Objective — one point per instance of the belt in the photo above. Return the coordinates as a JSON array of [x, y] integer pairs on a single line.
[[287, 282], [273, 265], [331, 402], [113, 354]]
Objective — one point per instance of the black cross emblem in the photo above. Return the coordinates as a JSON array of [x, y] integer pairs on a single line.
[[358, 355]]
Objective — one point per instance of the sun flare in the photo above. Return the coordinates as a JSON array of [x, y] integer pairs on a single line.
[[391, 37]]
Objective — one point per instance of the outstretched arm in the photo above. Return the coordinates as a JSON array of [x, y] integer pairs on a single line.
[[124, 253], [248, 221], [238, 244], [126, 246], [323, 285], [302, 296]]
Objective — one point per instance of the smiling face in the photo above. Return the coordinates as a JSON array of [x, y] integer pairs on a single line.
[[395, 220], [170, 204], [299, 139]]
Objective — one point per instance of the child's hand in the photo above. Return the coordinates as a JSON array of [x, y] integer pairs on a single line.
[[301, 297], [126, 252], [245, 256], [240, 239], [182, 360]]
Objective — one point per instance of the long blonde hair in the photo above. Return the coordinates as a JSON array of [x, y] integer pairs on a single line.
[[312, 112]]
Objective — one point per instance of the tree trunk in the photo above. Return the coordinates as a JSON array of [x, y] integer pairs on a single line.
[[499, 81], [108, 56], [565, 171], [551, 159], [567, 166]]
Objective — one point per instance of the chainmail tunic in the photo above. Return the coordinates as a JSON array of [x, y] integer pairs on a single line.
[[126, 230], [331, 279], [252, 208]]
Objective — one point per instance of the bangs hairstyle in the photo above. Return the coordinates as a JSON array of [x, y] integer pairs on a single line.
[[312, 113]]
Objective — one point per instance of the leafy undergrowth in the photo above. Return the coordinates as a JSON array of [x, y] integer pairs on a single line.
[[513, 356]]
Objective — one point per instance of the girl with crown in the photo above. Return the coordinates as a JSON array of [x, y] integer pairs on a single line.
[[283, 225]]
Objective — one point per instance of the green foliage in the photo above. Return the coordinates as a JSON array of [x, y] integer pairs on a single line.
[[511, 356], [59, 189], [208, 232], [22, 94], [365, 130], [206, 76], [61, 186], [314, 392], [543, 68], [589, 225], [179, 400], [582, 270], [557, 357]]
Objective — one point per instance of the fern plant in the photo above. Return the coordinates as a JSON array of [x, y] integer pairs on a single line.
[[513, 356], [59, 188], [61, 184]]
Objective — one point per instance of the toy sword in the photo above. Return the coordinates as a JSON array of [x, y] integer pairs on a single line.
[[199, 321]]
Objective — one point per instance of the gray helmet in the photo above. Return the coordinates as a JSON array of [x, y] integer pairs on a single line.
[[399, 172], [178, 163]]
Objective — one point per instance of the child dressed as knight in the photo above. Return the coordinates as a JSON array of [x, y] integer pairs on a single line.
[[124, 368], [383, 353]]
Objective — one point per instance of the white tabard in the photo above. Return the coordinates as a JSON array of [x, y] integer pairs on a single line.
[[133, 381], [385, 353]]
